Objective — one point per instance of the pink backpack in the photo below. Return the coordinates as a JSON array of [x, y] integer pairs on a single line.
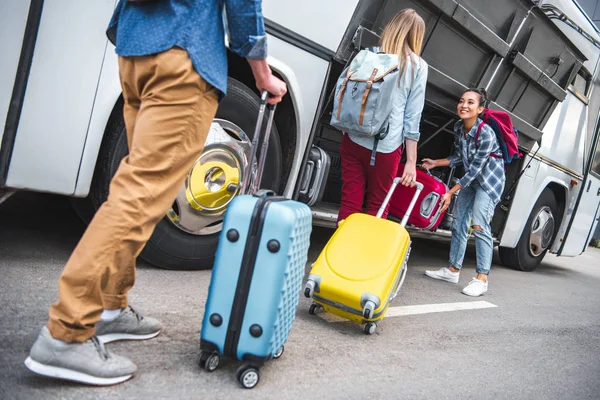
[[507, 135]]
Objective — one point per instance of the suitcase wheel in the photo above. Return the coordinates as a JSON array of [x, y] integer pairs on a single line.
[[314, 307], [279, 353], [370, 328], [212, 362], [307, 293], [202, 359], [248, 376], [368, 309], [309, 289]]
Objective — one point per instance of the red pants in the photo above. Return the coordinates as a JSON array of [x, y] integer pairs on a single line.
[[358, 176]]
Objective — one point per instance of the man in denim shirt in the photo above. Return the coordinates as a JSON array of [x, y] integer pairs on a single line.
[[173, 71]]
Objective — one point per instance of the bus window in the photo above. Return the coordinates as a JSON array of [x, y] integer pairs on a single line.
[[581, 85]]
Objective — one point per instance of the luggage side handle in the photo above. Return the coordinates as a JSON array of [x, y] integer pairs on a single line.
[[395, 183]]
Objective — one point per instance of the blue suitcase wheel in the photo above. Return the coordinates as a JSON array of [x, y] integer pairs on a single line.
[[248, 376], [212, 362], [279, 353], [202, 358]]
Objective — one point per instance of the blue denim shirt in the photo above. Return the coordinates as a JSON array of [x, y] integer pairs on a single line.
[[198, 26], [408, 104]]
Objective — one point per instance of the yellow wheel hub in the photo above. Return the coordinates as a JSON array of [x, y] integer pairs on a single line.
[[212, 185], [213, 181]]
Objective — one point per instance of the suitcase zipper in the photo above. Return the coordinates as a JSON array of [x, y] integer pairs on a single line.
[[242, 289]]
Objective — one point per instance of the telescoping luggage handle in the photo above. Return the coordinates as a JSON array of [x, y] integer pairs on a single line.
[[255, 170], [397, 180]]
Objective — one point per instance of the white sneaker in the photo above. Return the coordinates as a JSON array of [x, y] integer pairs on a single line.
[[444, 274], [475, 288]]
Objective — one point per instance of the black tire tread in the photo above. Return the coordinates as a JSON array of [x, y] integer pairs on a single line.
[[519, 258]]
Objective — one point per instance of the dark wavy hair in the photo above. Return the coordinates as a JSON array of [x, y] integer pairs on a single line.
[[483, 96]]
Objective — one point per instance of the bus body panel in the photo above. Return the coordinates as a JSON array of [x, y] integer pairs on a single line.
[[301, 18], [12, 28], [60, 95], [584, 221], [305, 74], [109, 91]]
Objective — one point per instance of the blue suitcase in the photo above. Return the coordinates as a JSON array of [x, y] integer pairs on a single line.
[[256, 281]]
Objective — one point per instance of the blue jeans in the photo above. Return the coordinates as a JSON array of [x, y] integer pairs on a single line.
[[475, 203]]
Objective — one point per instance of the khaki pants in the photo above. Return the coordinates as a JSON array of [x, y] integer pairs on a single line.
[[168, 111]]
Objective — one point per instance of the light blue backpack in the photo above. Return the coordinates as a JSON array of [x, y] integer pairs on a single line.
[[364, 95]]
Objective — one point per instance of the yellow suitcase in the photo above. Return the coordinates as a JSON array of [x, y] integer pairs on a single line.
[[362, 267]]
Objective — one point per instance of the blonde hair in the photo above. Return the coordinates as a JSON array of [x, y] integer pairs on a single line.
[[403, 35]]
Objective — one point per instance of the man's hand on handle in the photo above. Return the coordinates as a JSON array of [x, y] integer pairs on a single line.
[[265, 80]]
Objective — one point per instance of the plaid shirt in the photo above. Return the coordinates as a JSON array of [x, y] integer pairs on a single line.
[[481, 169]]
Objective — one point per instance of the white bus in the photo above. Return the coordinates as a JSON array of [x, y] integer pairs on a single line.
[[61, 109]]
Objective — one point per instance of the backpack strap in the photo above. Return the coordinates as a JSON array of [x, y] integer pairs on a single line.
[[378, 137], [374, 152], [492, 154], [477, 135], [343, 90]]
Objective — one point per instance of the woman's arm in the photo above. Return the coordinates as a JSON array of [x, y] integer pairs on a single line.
[[412, 120], [453, 160], [428, 163]]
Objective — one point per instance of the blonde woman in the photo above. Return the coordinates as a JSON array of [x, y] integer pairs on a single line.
[[403, 36]]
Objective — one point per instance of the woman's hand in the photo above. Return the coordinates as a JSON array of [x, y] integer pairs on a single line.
[[445, 201], [428, 164], [409, 176]]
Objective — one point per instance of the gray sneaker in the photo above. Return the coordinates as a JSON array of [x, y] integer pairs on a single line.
[[129, 325], [88, 362]]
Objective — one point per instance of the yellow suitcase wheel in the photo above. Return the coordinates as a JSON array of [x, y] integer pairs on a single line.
[[370, 328], [313, 309]]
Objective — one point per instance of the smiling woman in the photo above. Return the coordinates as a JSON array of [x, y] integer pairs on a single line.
[[478, 150]]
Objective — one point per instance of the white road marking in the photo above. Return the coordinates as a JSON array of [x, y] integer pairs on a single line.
[[420, 309]]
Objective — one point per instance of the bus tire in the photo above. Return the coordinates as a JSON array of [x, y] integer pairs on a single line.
[[538, 235], [170, 247]]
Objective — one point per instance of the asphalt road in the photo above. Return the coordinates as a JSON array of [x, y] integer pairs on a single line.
[[541, 341]]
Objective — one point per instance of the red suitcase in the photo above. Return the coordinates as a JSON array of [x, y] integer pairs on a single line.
[[426, 213]]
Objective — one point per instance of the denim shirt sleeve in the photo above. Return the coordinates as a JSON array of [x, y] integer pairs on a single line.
[[246, 28], [482, 155], [414, 104]]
